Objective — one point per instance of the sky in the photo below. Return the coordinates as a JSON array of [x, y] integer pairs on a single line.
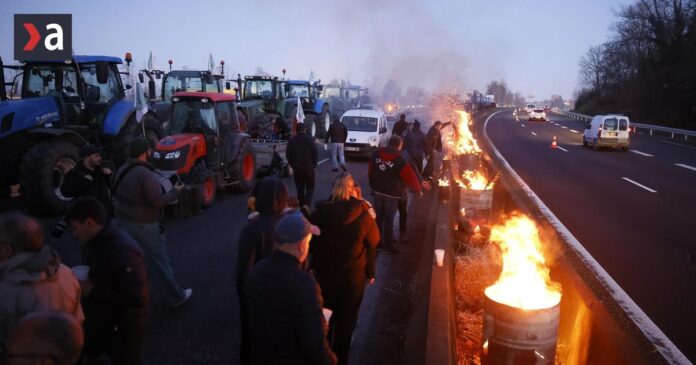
[[439, 45]]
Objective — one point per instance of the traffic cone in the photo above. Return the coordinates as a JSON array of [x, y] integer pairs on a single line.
[[554, 144]]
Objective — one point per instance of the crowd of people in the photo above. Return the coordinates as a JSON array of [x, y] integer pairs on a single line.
[[301, 271]]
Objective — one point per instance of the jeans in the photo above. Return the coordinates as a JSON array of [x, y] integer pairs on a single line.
[[304, 184], [150, 237], [386, 207], [337, 151]]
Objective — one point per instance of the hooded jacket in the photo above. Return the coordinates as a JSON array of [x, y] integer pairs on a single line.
[[36, 281], [388, 170], [140, 197], [348, 240], [256, 239]]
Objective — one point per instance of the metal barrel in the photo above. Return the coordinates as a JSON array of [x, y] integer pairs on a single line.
[[517, 336]]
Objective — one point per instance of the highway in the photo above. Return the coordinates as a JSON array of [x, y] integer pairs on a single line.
[[633, 211]]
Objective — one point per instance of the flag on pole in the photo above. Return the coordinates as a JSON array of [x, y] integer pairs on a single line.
[[139, 102], [211, 63], [150, 62], [300, 113]]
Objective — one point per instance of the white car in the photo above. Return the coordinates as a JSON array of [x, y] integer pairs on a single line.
[[367, 130], [607, 131], [530, 108], [537, 114]]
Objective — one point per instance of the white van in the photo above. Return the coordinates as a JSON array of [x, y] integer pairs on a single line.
[[367, 130], [607, 131]]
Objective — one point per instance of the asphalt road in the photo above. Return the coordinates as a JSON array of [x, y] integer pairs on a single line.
[[633, 211]]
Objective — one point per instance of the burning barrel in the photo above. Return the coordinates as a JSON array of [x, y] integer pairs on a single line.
[[519, 336], [522, 309]]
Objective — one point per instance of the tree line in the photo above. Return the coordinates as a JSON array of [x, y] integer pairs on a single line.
[[647, 69]]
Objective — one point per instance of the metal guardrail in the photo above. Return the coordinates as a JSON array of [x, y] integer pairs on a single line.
[[650, 127]]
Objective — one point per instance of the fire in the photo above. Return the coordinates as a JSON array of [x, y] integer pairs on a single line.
[[466, 143], [524, 282], [474, 180], [443, 182]]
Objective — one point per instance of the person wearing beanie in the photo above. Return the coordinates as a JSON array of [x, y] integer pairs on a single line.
[[256, 243], [88, 178], [140, 202]]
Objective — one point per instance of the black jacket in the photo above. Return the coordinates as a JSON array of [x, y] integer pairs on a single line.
[[284, 313], [434, 140], [346, 247], [302, 152], [82, 181], [399, 127], [416, 143], [256, 239], [337, 133], [117, 269], [388, 170]]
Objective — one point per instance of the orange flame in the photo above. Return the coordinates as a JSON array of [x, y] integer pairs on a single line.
[[524, 282], [466, 143], [474, 180]]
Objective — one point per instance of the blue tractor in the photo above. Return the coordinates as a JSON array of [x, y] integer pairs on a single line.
[[63, 106], [316, 109]]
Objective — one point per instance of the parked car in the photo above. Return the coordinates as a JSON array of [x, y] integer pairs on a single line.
[[607, 131], [537, 114], [367, 130]]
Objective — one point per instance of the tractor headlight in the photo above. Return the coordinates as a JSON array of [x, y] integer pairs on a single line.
[[172, 155]]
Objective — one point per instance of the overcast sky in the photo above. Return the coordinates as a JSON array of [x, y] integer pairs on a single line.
[[534, 45]]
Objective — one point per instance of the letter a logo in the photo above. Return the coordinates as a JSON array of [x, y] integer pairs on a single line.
[[55, 30]]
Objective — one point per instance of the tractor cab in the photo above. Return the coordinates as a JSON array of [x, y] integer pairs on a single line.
[[265, 103], [205, 145]]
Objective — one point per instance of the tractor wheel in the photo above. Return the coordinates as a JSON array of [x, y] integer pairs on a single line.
[[310, 125], [245, 167], [205, 180], [41, 174], [324, 121]]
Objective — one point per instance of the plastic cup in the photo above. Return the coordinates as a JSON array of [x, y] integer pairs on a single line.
[[81, 272], [327, 313], [440, 257]]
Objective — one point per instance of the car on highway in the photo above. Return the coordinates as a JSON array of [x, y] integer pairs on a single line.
[[607, 131], [367, 130], [529, 108], [537, 114]]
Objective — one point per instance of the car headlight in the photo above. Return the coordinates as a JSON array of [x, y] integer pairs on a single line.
[[156, 154], [372, 139], [172, 155]]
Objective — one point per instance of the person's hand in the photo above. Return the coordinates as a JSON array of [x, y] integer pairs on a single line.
[[426, 185], [370, 281], [106, 171], [179, 187], [87, 287]]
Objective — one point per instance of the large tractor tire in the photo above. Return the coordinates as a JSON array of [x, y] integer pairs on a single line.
[[323, 121], [41, 174], [311, 125], [244, 168], [205, 181]]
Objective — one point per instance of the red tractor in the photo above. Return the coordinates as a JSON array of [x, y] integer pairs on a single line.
[[205, 145]]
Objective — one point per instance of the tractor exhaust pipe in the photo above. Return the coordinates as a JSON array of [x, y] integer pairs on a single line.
[[3, 92]]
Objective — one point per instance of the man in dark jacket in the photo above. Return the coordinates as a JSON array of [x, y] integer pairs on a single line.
[[302, 157], [89, 178], [386, 172], [416, 144], [116, 294], [336, 138], [285, 303], [434, 138], [140, 202], [256, 243], [400, 126]]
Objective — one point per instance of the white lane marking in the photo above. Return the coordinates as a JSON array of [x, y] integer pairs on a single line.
[[637, 315], [686, 166], [574, 131], [564, 127], [322, 161], [562, 149], [640, 185], [641, 153], [533, 133], [679, 145]]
